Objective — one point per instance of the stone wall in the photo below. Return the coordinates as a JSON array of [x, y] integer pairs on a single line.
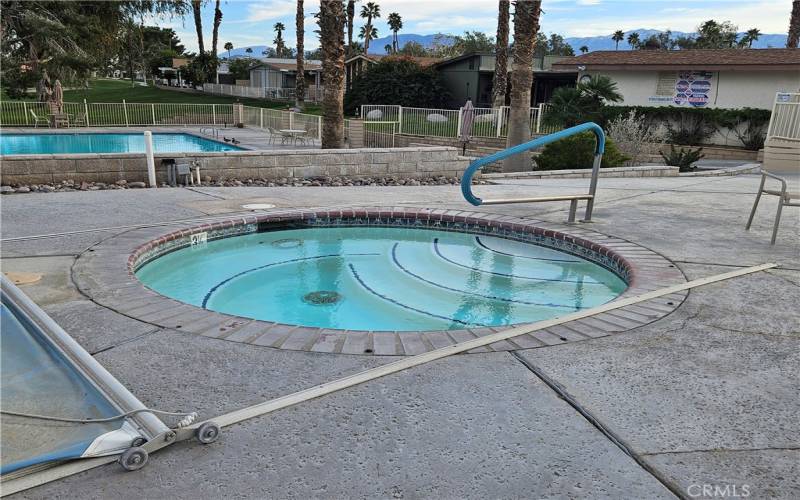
[[299, 164]]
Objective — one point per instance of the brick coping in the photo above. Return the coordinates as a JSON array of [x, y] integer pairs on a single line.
[[105, 273]]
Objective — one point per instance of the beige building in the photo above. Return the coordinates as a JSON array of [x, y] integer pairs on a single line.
[[712, 78]]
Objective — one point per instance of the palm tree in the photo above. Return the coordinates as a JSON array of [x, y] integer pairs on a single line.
[[369, 12], [794, 26], [388, 48], [618, 36], [584, 49], [366, 34], [279, 46], [351, 14], [501, 56], [300, 79], [395, 24], [229, 48], [215, 29], [248, 50], [198, 26], [331, 20], [633, 40], [749, 37], [526, 26]]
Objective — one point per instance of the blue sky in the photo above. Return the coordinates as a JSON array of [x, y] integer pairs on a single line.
[[250, 22]]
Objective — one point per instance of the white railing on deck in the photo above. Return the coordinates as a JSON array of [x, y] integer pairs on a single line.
[[785, 120]]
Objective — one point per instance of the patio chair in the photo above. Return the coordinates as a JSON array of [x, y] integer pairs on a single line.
[[786, 197], [273, 135], [39, 120]]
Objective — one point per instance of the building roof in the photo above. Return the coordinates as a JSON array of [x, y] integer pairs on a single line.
[[287, 64], [468, 55], [708, 59], [374, 58]]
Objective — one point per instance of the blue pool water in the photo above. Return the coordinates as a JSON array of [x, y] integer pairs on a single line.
[[28, 144], [368, 278]]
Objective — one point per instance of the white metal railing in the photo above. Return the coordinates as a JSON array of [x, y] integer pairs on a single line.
[[785, 120], [434, 122], [313, 93]]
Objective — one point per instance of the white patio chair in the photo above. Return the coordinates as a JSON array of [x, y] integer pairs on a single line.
[[783, 157], [37, 120]]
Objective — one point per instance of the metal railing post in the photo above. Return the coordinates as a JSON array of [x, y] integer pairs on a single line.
[[153, 112], [598, 159], [214, 114], [500, 111], [400, 119], [25, 111], [319, 129], [458, 129], [261, 118], [151, 162], [86, 112], [539, 114], [125, 109]]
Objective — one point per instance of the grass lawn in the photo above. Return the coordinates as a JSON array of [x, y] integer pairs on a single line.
[[106, 90]]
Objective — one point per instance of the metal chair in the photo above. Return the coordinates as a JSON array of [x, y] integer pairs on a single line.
[[37, 120], [785, 198]]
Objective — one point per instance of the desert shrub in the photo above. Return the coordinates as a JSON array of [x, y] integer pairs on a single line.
[[683, 158], [399, 81], [634, 137], [577, 151]]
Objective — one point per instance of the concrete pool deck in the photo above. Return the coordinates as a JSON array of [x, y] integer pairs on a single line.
[[707, 395]]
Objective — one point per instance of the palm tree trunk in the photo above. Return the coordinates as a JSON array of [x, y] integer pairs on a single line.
[[198, 26], [331, 25], [300, 79], [351, 15], [794, 26], [526, 26], [501, 57], [215, 32]]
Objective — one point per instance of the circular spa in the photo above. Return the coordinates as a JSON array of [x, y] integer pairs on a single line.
[[382, 275]]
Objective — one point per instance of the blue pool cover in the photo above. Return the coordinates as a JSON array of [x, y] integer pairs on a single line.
[[29, 144], [36, 379]]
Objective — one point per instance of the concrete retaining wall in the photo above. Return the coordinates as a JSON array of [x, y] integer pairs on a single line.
[[354, 163], [644, 171]]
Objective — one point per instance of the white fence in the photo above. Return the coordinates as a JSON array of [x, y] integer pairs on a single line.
[[432, 122], [313, 93], [785, 120]]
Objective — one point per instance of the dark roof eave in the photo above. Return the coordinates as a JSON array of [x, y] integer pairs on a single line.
[[707, 67]]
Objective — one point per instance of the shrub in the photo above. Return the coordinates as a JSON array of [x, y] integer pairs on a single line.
[[634, 137], [396, 80], [577, 151], [682, 159]]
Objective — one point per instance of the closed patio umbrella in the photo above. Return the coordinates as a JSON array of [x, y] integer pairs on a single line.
[[58, 97], [467, 117]]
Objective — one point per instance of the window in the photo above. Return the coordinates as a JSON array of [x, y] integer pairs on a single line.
[[665, 85]]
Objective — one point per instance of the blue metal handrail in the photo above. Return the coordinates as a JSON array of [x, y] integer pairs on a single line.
[[466, 179]]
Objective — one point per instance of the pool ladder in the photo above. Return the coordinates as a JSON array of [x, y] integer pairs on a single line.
[[475, 166]]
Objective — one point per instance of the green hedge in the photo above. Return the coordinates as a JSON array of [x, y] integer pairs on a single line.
[[692, 126], [577, 151]]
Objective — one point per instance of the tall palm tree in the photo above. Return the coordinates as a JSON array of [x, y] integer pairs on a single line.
[[388, 48], [618, 36], [351, 15], [526, 26], [215, 28], [501, 56], [395, 24], [331, 20], [229, 48], [794, 26], [749, 37], [300, 79], [279, 45], [633, 40], [198, 26], [367, 34], [369, 12], [584, 49]]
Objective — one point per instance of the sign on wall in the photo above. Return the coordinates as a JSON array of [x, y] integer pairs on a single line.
[[691, 88]]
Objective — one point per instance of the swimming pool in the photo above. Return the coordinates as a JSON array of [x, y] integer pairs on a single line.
[[29, 144], [381, 278]]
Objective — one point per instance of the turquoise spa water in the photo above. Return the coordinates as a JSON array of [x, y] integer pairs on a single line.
[[29, 144], [368, 278]]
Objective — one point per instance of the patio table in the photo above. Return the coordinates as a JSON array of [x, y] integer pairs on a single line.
[[290, 133]]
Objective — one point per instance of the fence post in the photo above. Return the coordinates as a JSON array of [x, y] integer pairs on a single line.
[[25, 111], [500, 111], [151, 162], [214, 113], [261, 118], [460, 114], [86, 112], [363, 116], [153, 112], [291, 119], [400, 119], [319, 129], [125, 109], [539, 118]]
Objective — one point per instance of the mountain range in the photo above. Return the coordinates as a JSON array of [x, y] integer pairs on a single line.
[[603, 42]]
